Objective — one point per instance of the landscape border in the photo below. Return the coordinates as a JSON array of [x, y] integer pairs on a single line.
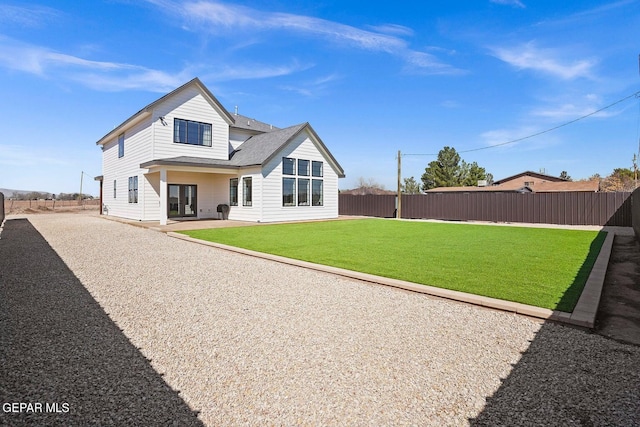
[[583, 315]]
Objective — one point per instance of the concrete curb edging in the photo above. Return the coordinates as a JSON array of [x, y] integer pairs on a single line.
[[583, 315], [585, 311]]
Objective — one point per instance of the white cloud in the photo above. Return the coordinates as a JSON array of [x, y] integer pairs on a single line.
[[27, 16], [223, 19], [100, 75], [255, 71], [514, 3], [549, 61]]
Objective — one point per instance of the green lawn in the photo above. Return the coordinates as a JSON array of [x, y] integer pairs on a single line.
[[542, 267]]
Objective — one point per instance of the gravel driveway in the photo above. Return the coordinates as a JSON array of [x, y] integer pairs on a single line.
[[248, 341]]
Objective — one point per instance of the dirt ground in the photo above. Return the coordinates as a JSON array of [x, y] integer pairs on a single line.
[[619, 311]]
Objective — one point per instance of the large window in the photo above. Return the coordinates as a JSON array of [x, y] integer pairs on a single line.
[[288, 191], [190, 132], [303, 192], [247, 196], [316, 192], [309, 192], [233, 192], [121, 145], [133, 189]]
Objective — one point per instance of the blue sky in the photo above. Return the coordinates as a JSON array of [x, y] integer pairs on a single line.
[[372, 78]]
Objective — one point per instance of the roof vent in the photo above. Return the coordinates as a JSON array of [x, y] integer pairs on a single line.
[[236, 110]]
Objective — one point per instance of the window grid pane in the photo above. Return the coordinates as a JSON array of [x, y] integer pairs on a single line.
[[246, 191], [288, 191], [303, 167], [316, 169], [233, 192], [288, 166], [303, 192], [316, 195]]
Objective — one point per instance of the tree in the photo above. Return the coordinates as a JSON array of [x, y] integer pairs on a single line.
[[621, 179], [449, 170], [366, 186], [410, 186], [564, 175]]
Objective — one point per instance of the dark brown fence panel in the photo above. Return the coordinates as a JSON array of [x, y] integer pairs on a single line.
[[567, 208], [383, 205], [1, 208]]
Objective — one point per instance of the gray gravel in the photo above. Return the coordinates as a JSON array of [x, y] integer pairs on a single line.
[[248, 341]]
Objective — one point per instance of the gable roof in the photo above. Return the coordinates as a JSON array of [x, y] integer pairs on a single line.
[[148, 110], [533, 174]]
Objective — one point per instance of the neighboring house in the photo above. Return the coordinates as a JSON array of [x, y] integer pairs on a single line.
[[184, 154], [527, 182]]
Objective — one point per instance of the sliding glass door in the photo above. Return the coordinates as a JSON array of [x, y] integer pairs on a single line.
[[183, 201]]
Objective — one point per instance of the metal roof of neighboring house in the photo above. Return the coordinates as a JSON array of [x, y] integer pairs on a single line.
[[530, 173]]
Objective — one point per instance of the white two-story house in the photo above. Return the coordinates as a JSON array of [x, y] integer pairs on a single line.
[[184, 155]]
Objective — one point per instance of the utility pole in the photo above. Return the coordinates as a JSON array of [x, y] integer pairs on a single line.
[[399, 208], [80, 196]]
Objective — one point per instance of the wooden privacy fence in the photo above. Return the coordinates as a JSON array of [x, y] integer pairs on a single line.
[[566, 208]]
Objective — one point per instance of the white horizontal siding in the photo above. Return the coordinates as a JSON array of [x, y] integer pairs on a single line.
[[188, 105], [253, 212], [137, 149], [272, 210], [237, 137]]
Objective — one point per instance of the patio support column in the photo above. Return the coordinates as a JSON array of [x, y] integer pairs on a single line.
[[163, 197]]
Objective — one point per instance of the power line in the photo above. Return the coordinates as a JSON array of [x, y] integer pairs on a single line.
[[635, 94]]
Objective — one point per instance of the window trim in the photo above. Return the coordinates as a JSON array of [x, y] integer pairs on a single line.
[[201, 139]]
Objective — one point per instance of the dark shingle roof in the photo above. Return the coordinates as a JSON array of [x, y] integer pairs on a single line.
[[255, 151], [259, 148], [247, 123]]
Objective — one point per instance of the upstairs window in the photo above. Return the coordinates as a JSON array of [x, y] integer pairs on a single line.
[[288, 166], [303, 167], [316, 168], [192, 133], [121, 145]]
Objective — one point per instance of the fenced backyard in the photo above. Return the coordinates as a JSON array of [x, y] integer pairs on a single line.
[[25, 206], [566, 208]]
